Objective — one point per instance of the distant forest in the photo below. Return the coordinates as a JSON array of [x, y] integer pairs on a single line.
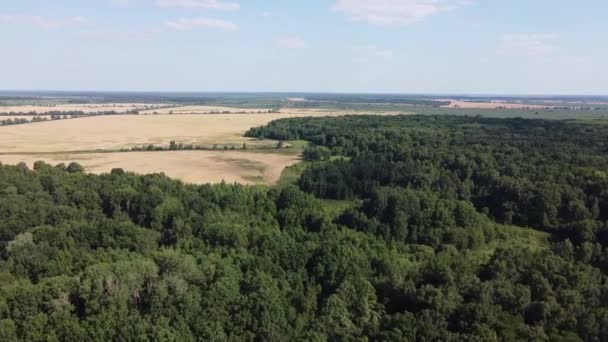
[[399, 228], [271, 100]]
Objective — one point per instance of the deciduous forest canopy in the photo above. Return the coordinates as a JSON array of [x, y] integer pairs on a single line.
[[429, 228]]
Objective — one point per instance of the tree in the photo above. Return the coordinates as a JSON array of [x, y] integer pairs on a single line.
[[316, 153], [74, 167]]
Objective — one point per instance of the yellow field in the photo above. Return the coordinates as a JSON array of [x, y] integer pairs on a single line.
[[116, 132], [87, 108], [196, 167], [57, 141]]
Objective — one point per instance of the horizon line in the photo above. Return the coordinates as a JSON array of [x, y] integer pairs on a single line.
[[464, 94]]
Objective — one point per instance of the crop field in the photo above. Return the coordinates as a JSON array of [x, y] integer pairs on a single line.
[[195, 167], [101, 143], [96, 143], [119, 132], [116, 132], [87, 108]]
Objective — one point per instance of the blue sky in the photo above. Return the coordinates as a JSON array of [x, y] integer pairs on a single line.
[[397, 46]]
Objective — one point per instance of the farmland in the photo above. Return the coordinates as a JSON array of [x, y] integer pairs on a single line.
[[118, 132], [64, 141], [194, 167], [212, 128], [112, 133], [86, 108], [101, 143]]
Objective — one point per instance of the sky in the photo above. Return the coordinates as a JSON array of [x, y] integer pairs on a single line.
[[378, 46]]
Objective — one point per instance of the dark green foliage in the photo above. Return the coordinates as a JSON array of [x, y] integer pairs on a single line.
[[546, 174], [419, 255], [316, 153], [74, 167]]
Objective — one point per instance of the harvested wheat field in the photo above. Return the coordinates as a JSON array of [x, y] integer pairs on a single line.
[[116, 132], [87, 108], [196, 167], [93, 142]]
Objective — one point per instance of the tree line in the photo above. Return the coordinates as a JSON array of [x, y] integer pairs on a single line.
[[54, 115]]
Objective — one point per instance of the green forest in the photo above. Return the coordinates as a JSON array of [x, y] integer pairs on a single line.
[[396, 228]]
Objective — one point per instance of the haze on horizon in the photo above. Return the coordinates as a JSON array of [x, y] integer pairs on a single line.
[[343, 46]]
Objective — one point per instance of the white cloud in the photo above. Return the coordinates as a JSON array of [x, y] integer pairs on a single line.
[[204, 4], [528, 44], [291, 42], [394, 12], [372, 53], [41, 22], [266, 14], [184, 24]]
